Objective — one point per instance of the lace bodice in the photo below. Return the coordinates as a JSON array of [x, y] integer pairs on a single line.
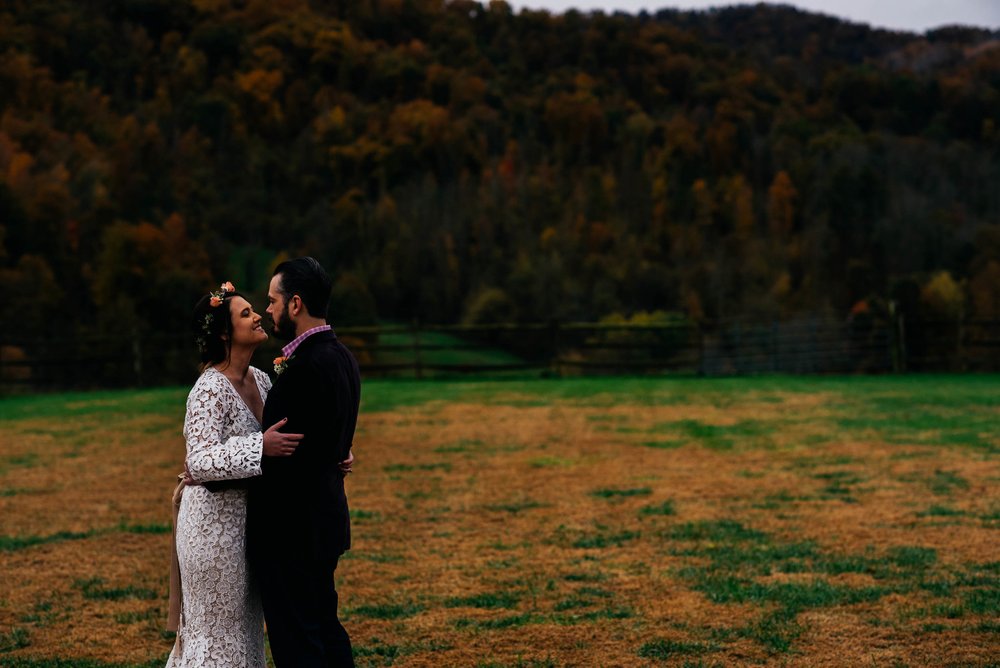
[[224, 439]]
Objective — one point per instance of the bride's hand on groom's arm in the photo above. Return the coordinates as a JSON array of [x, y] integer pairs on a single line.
[[279, 444]]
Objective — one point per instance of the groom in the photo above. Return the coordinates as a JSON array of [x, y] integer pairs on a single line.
[[297, 518]]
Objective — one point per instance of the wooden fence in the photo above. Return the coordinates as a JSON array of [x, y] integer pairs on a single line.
[[804, 345]]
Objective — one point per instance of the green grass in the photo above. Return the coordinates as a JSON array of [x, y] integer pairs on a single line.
[[487, 600], [510, 621], [593, 615], [913, 557], [14, 543], [28, 662], [729, 557], [946, 482], [722, 437], [135, 617], [663, 445], [941, 511], [396, 468], [461, 446], [515, 506], [25, 461], [375, 557], [92, 589], [551, 462], [666, 508], [666, 649], [387, 610], [903, 401], [613, 493], [472, 356], [376, 654], [164, 401], [604, 540], [16, 638], [585, 577], [715, 531], [153, 528]]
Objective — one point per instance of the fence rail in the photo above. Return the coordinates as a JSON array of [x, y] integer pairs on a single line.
[[804, 345]]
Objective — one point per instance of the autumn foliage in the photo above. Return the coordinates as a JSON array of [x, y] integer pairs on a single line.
[[458, 161]]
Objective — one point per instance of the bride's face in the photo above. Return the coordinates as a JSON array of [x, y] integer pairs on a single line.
[[247, 329]]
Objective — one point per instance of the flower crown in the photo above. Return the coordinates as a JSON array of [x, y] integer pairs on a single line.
[[216, 298]]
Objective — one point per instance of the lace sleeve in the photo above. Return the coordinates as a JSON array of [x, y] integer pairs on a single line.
[[209, 457]]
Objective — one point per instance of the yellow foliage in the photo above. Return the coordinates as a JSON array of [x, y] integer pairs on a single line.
[[191, 66], [547, 237], [260, 84], [942, 296], [702, 203], [781, 204], [7, 150], [333, 122], [268, 58], [18, 171], [420, 120], [739, 197], [681, 135], [783, 286]]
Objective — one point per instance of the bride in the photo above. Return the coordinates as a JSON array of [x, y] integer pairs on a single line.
[[221, 620]]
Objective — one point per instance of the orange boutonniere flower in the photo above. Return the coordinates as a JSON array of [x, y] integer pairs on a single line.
[[228, 287], [281, 363]]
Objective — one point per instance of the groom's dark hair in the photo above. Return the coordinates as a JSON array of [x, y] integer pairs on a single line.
[[305, 277]]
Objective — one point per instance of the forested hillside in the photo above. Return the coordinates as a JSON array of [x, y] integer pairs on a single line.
[[457, 161]]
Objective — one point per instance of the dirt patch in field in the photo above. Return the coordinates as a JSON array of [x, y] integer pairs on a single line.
[[585, 535]]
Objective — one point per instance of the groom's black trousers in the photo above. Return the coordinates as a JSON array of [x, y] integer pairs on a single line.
[[300, 607]]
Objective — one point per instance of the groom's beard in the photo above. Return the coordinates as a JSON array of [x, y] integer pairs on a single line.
[[282, 327]]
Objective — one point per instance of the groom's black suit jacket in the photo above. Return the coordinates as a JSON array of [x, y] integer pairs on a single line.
[[297, 508]]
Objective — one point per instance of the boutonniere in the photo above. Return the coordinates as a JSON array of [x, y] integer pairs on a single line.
[[281, 363]]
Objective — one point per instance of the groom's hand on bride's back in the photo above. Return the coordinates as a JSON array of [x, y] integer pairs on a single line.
[[279, 444], [347, 466]]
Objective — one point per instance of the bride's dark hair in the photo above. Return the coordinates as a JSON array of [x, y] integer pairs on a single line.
[[210, 324]]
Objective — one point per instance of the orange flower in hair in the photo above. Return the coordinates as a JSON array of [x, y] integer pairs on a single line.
[[220, 294]]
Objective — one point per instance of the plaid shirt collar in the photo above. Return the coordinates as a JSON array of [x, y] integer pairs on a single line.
[[289, 349]]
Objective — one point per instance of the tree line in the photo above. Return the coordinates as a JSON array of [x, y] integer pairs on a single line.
[[463, 162]]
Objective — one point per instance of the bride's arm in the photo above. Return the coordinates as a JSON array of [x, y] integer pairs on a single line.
[[208, 456]]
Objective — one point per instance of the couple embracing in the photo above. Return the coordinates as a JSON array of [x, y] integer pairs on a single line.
[[261, 513]]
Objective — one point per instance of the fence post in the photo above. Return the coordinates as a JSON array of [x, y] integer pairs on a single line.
[[897, 338], [417, 362], [554, 366], [775, 355], [702, 371], [136, 357], [959, 335]]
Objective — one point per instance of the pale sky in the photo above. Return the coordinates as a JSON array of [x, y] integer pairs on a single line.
[[911, 15]]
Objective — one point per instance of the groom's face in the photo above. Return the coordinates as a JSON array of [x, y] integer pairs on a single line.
[[277, 308]]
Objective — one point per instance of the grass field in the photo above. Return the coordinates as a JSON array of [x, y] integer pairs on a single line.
[[585, 522]]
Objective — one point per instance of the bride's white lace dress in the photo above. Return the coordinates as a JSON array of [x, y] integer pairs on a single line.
[[222, 621]]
